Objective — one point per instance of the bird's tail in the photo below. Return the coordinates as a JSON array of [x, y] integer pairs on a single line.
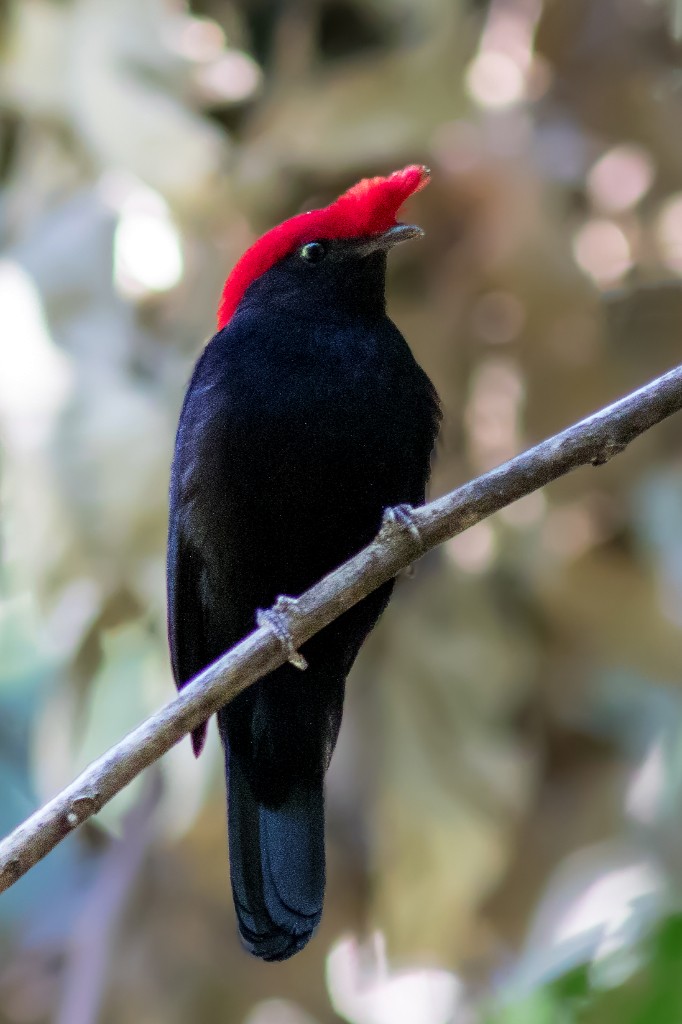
[[276, 864]]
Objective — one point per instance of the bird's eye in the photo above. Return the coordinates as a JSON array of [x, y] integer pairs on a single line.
[[313, 252]]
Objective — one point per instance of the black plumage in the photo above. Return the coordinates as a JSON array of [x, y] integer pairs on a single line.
[[306, 416]]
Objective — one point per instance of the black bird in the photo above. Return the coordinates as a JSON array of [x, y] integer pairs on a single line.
[[306, 416]]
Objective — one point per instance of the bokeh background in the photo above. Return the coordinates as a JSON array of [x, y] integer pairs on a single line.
[[505, 804]]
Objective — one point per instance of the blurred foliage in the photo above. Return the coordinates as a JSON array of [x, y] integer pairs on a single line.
[[505, 835], [645, 990]]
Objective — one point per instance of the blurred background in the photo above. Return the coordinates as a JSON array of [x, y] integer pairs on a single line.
[[505, 803]]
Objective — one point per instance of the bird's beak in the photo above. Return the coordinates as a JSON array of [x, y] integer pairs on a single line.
[[386, 240]]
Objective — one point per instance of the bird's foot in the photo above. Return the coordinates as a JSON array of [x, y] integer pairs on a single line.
[[277, 619], [400, 519]]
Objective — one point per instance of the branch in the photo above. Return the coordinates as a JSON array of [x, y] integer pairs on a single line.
[[404, 535]]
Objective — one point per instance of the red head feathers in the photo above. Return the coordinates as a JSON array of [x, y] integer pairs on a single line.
[[368, 208]]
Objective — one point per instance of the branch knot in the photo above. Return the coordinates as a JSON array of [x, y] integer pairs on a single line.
[[80, 808], [610, 447]]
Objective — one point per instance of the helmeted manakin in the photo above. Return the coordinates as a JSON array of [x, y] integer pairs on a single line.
[[305, 418]]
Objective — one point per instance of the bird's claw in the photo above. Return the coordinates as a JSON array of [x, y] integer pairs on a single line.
[[276, 618], [400, 519]]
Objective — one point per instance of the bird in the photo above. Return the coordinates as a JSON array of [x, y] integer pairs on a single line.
[[305, 419]]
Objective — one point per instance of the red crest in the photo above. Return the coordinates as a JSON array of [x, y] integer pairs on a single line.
[[368, 208]]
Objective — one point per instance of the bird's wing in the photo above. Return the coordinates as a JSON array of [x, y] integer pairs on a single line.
[[186, 626]]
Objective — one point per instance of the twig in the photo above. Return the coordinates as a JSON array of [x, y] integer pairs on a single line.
[[404, 535]]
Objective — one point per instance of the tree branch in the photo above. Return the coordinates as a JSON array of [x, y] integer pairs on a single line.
[[404, 535]]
